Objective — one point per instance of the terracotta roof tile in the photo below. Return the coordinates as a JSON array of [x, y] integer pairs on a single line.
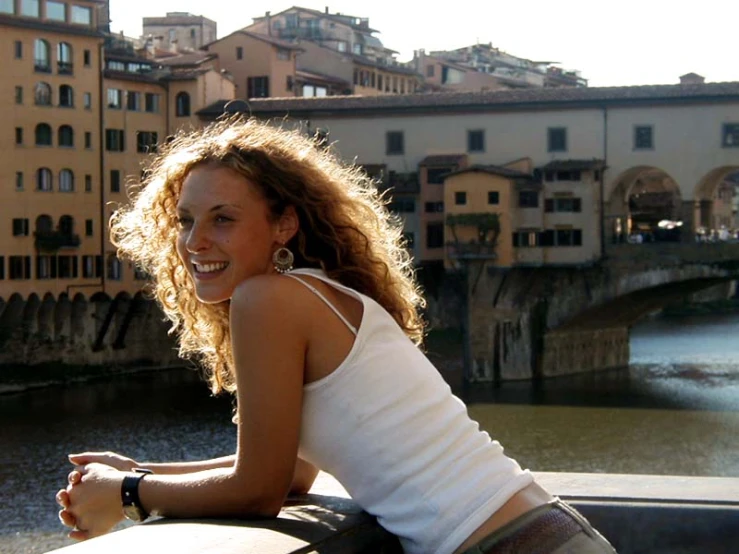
[[493, 170], [566, 165]]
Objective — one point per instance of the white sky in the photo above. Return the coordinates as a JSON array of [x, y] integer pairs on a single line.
[[627, 42]]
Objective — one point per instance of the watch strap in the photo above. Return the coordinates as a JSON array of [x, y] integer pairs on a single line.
[[130, 490]]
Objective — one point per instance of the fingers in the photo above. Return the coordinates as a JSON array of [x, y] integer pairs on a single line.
[[75, 476], [67, 518], [62, 498]]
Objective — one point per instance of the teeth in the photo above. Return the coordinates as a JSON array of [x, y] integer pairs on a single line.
[[209, 268]]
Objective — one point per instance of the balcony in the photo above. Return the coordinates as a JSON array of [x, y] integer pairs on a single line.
[[480, 232], [307, 33], [473, 250], [41, 66], [65, 68], [51, 241]]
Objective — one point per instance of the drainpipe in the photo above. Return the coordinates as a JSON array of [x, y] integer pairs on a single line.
[[602, 186], [101, 133]]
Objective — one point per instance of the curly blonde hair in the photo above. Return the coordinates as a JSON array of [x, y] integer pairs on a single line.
[[344, 229]]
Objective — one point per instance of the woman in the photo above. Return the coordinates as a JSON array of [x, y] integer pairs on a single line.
[[286, 278]]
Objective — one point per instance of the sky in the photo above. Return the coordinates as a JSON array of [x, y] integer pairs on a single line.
[[629, 42]]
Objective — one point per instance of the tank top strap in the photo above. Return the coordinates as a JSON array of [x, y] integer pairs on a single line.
[[325, 300]]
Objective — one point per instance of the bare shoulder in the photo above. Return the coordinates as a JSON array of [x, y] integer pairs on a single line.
[[267, 296]]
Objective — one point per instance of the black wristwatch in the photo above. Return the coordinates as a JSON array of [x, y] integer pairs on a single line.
[[132, 507]]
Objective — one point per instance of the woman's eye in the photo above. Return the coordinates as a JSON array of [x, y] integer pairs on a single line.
[[184, 221], [223, 219]]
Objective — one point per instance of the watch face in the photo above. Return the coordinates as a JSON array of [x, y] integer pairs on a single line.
[[133, 512]]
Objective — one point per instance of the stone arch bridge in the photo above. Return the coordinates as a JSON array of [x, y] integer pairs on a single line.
[[528, 323]]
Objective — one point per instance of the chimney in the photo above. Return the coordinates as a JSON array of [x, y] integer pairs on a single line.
[[692, 79], [326, 10], [269, 23]]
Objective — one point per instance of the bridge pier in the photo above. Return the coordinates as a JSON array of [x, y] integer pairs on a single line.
[[580, 350]]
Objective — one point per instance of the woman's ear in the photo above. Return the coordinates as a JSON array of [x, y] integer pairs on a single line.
[[287, 225]]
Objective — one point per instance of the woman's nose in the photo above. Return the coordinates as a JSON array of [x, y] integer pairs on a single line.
[[197, 239]]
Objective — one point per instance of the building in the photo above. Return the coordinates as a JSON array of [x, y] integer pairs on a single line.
[[76, 135], [180, 31], [441, 75]]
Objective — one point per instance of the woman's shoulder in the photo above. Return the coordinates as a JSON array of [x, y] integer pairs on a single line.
[[268, 292]]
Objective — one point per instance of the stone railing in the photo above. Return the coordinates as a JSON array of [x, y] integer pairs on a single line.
[[673, 253]]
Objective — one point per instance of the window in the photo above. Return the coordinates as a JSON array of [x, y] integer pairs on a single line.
[[115, 180], [394, 143], [66, 180], [42, 94], [434, 235], [2, 267], [433, 207], [115, 98], [20, 227], [66, 136], [56, 11], [493, 197], [476, 141], [568, 237], [151, 102], [341, 46], [18, 136], [30, 8], [460, 198], [562, 205], [87, 100], [46, 267], [19, 267], [283, 54], [528, 199], [66, 96], [88, 183], [430, 70], [18, 48], [67, 267], [239, 53], [133, 101], [115, 268], [88, 227], [92, 266], [526, 239], [87, 58], [115, 140], [44, 179], [18, 180], [257, 87], [357, 49], [146, 142], [41, 56], [81, 15], [643, 139], [43, 134], [557, 139], [18, 95], [182, 102], [402, 205], [44, 224], [7, 6], [730, 135], [563, 175], [436, 175], [88, 140]]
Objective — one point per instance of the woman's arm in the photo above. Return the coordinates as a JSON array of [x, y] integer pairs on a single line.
[[269, 330], [123, 463]]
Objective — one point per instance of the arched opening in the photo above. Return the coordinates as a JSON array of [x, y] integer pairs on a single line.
[[41, 56], [42, 94], [645, 205], [714, 204], [66, 181], [183, 104], [66, 96], [43, 134], [44, 179], [64, 58], [66, 225], [65, 136], [44, 224]]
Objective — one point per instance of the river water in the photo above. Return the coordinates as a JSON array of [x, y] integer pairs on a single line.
[[675, 410]]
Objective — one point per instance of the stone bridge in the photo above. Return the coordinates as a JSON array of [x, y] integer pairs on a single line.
[[527, 323]]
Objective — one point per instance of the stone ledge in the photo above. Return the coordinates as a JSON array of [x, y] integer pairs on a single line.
[[637, 513]]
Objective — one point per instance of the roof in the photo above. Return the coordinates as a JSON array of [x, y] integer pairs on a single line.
[[42, 25], [264, 38], [363, 60], [567, 165], [496, 100], [152, 77], [444, 159], [493, 170], [313, 76], [194, 58], [341, 18], [175, 19]]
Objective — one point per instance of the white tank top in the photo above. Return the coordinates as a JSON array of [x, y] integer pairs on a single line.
[[387, 426]]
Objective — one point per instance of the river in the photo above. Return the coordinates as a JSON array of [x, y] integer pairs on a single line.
[[675, 410]]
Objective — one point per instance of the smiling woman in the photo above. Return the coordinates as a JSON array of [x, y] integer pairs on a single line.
[[286, 278]]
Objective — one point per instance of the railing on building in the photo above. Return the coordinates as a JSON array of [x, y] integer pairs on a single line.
[[51, 241], [308, 33]]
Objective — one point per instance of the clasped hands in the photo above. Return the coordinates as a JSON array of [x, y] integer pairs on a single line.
[[91, 502]]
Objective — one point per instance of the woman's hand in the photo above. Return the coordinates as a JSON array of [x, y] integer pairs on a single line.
[[121, 463], [92, 501]]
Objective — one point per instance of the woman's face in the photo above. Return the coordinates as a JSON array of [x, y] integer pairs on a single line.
[[226, 234]]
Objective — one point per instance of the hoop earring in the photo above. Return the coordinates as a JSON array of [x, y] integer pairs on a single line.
[[283, 260]]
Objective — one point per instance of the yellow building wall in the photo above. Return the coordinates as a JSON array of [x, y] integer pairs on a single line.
[[477, 185]]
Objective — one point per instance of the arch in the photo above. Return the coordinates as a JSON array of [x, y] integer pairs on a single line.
[[62, 317], [41, 56], [182, 102], [640, 198], [46, 316], [44, 179], [11, 316], [66, 96], [79, 313], [66, 180], [712, 201], [64, 57], [29, 319], [65, 136], [44, 224], [66, 225], [42, 94], [43, 134]]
